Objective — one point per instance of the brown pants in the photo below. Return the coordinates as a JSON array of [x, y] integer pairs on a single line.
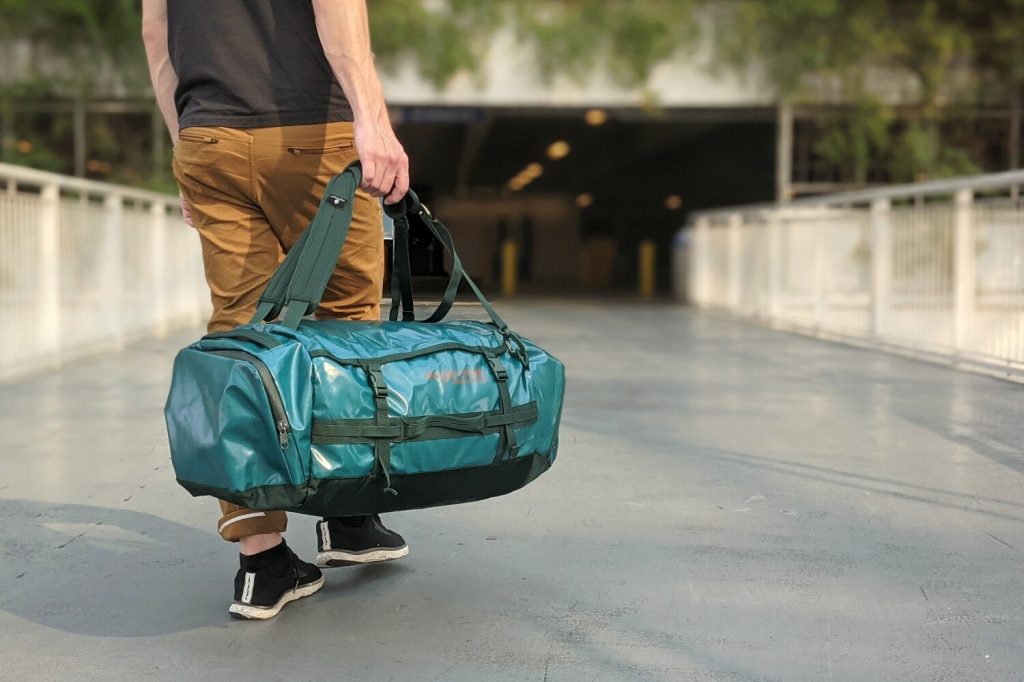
[[252, 193]]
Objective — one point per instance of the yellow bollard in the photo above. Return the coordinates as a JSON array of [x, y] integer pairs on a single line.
[[646, 264], [509, 267]]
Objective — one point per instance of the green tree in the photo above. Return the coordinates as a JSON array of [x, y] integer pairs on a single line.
[[571, 37], [994, 29], [861, 55], [81, 34]]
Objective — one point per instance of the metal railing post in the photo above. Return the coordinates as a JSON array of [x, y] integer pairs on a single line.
[[963, 268], [699, 270], [49, 274], [158, 260], [113, 268], [820, 274], [734, 261], [881, 265], [774, 220]]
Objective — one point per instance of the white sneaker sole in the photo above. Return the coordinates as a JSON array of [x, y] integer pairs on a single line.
[[251, 612], [335, 558]]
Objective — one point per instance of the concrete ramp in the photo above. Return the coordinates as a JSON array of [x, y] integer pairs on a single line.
[[729, 503]]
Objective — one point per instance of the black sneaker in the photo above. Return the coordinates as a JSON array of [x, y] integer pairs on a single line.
[[264, 586], [356, 540]]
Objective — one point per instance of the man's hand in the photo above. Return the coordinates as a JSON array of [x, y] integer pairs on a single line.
[[385, 164], [186, 211]]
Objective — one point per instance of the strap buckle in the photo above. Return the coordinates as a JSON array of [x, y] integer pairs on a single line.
[[377, 385], [500, 373]]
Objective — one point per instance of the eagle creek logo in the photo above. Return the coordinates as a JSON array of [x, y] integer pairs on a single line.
[[462, 376]]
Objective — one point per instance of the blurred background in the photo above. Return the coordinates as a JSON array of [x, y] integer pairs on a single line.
[[565, 142]]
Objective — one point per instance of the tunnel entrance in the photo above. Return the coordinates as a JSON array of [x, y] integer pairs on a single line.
[[578, 189]]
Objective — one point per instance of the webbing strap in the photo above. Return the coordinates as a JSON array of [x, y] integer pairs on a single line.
[[508, 446], [381, 446], [298, 283], [427, 427], [272, 299], [410, 205], [458, 274], [401, 273]]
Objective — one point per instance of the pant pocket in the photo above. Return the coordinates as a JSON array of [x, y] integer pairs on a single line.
[[320, 150], [196, 138]]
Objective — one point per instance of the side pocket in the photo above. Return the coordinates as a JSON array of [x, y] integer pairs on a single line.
[[226, 438]]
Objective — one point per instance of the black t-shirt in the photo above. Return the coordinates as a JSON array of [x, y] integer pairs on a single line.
[[251, 64]]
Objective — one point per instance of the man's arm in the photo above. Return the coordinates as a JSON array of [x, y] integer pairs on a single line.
[[161, 73], [344, 31]]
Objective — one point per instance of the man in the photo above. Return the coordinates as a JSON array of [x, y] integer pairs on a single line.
[[266, 101]]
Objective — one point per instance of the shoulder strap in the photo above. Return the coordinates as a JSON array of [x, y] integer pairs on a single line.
[[298, 283]]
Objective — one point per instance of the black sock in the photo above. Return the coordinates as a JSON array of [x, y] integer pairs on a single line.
[[350, 521], [274, 560]]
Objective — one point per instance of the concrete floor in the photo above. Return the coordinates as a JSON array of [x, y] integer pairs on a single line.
[[729, 503]]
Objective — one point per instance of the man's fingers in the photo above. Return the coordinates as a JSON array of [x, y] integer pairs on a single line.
[[387, 181], [386, 172], [401, 183], [369, 173]]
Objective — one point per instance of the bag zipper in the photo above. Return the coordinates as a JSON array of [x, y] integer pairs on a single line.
[[395, 357], [262, 339], [281, 423]]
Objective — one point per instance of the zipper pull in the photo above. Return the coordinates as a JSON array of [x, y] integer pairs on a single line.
[[282, 433]]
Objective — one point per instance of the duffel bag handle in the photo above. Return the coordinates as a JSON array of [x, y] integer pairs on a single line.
[[298, 283], [401, 276]]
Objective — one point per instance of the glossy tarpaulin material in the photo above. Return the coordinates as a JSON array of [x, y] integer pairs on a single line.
[[225, 434]]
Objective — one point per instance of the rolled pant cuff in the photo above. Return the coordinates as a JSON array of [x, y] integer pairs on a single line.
[[245, 522]]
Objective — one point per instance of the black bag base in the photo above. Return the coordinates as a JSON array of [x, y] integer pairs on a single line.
[[361, 496]]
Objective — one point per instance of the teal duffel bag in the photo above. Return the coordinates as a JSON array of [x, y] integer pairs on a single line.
[[338, 418]]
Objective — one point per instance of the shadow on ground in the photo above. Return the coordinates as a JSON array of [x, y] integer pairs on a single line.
[[145, 575]]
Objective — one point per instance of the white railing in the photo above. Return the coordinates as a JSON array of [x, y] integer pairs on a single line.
[[86, 267], [932, 269]]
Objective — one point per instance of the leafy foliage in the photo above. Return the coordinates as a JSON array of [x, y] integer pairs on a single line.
[[863, 55], [444, 39], [570, 36], [82, 33], [631, 38], [867, 54]]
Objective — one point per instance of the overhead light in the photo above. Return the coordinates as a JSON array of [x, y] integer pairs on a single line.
[[596, 117], [584, 200], [558, 150], [526, 176], [673, 202]]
